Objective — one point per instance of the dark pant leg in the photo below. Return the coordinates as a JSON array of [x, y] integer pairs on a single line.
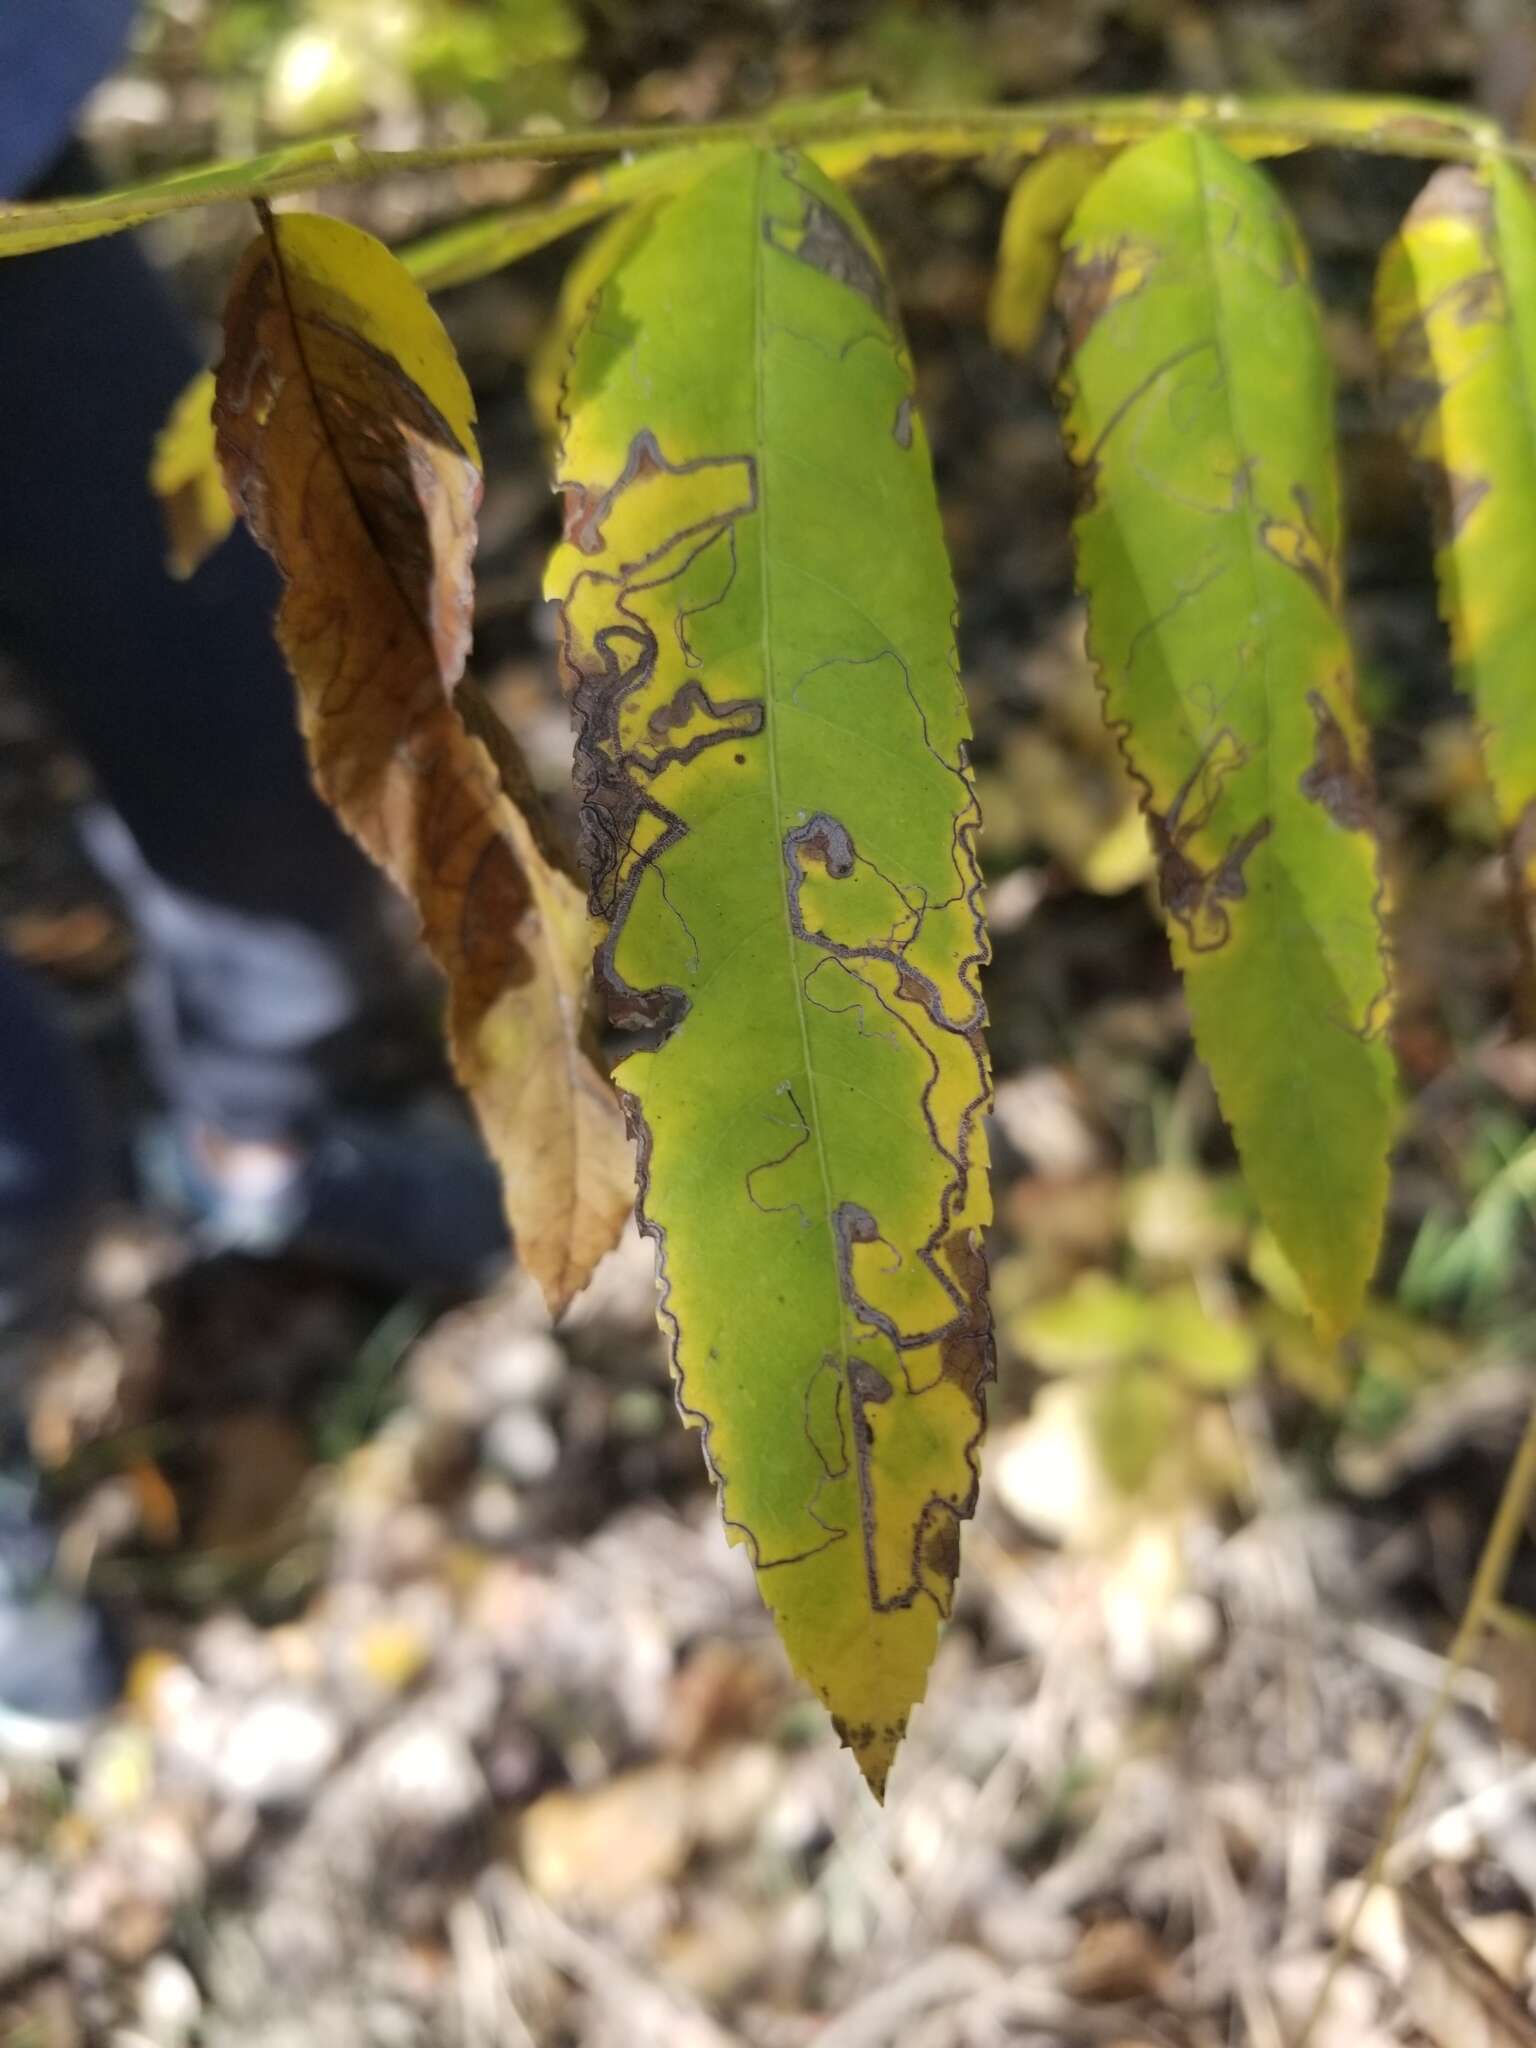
[[52, 1159], [256, 916]]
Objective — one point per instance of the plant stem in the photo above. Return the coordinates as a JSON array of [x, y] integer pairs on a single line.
[[1410, 128]]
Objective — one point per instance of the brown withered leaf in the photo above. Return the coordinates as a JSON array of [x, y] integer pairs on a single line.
[[345, 432]]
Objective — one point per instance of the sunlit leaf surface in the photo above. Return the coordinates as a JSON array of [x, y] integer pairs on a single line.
[[779, 827], [1199, 413]]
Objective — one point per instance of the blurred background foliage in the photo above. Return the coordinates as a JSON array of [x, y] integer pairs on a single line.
[[307, 65]]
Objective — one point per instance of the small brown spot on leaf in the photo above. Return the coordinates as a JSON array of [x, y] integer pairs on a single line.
[[941, 1547], [1453, 498], [867, 1382], [1300, 544], [828, 244], [1089, 285], [824, 840], [1455, 192], [1335, 779], [1195, 896], [965, 1350]]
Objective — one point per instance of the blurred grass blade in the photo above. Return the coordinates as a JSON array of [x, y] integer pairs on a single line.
[[1043, 200], [779, 831], [1456, 323], [1468, 1264], [1199, 414]]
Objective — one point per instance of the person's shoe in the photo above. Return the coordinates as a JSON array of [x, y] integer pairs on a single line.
[[411, 1201], [61, 1666]]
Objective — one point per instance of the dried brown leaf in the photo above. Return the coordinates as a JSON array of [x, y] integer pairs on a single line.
[[344, 430]]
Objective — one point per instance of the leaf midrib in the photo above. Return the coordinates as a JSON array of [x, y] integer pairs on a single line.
[[761, 248]]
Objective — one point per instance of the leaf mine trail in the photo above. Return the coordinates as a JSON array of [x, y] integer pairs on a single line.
[[779, 835], [1198, 413], [1456, 325]]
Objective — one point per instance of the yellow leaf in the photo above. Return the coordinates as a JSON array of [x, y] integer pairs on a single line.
[[1210, 1354], [184, 475], [1029, 247]]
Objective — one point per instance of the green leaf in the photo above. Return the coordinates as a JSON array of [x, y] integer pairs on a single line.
[[1099, 1321], [639, 184], [580, 285], [1456, 322], [1029, 247], [1137, 1414], [1199, 413], [778, 828], [1094, 1322], [1048, 190]]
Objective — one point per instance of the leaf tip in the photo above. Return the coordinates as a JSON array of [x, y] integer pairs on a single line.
[[1334, 1271], [1333, 1319], [874, 1750], [558, 1294], [561, 1274]]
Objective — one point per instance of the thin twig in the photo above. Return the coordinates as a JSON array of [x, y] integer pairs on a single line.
[[1422, 129], [1485, 1809], [1487, 1587]]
